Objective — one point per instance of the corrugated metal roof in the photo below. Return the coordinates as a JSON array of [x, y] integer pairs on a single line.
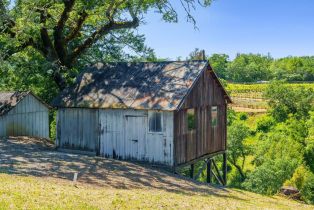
[[8, 100], [154, 85]]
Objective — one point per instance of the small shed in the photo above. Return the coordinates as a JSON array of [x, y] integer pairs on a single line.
[[23, 114], [171, 113]]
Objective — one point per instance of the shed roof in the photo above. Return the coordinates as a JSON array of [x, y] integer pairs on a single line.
[[141, 85], [8, 100]]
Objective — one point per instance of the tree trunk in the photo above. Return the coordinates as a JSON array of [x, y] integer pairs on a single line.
[[58, 77]]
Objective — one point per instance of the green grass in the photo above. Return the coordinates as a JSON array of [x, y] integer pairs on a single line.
[[18, 192]]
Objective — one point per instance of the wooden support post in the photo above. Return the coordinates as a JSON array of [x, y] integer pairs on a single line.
[[192, 171], [224, 168], [218, 176], [209, 170]]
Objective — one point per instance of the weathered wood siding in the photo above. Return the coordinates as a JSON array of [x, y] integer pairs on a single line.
[[125, 135], [29, 118], [115, 133], [78, 129], [205, 139]]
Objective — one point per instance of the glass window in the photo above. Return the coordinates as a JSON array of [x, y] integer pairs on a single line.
[[155, 121], [191, 119], [214, 116]]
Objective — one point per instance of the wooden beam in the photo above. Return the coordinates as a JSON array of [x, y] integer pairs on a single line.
[[201, 158], [224, 168], [217, 178], [209, 170], [218, 173], [192, 171]]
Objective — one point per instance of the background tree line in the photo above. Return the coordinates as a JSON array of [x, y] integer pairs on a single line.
[[257, 67]]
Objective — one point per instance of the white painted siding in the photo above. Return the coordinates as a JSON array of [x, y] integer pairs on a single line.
[[29, 118], [116, 133], [77, 129], [125, 135]]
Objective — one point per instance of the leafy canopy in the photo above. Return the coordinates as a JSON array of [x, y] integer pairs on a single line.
[[63, 35]]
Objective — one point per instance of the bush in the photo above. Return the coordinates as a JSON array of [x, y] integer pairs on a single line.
[[297, 179], [264, 124], [309, 155], [270, 176], [307, 190], [303, 180], [243, 116]]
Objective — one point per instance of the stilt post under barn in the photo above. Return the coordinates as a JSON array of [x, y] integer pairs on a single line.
[[209, 170], [224, 168], [192, 171]]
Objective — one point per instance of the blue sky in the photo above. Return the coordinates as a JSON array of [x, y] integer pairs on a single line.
[[278, 27]]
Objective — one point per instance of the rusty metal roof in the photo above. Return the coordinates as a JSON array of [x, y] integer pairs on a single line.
[[8, 100], [143, 85]]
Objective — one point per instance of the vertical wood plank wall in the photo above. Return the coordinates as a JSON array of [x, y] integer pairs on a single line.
[[205, 139], [125, 135], [116, 133], [78, 129], [29, 118]]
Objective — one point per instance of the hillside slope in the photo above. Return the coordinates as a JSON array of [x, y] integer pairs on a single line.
[[34, 176]]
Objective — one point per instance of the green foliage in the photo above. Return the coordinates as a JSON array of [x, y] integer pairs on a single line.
[[53, 124], [243, 116], [270, 176], [264, 124], [281, 150], [294, 68], [284, 101], [237, 149], [219, 63], [257, 67], [307, 190], [47, 42], [303, 179], [280, 143], [309, 148], [249, 68], [231, 116]]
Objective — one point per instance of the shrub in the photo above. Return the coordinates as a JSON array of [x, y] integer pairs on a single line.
[[264, 124], [270, 176], [303, 180], [307, 190], [243, 116]]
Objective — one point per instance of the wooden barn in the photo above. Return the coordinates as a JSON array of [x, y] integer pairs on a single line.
[[23, 114], [171, 113]]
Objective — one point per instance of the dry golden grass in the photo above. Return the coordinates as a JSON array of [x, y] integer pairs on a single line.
[[21, 192]]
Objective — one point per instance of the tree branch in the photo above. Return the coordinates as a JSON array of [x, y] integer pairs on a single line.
[[47, 47], [104, 30], [74, 33], [58, 37], [99, 33]]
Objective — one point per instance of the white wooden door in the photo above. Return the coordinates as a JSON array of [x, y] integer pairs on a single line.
[[135, 131]]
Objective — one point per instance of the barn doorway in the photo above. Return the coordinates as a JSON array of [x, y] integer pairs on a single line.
[[135, 131]]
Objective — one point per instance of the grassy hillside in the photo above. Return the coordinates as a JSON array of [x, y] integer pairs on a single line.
[[34, 176], [18, 192]]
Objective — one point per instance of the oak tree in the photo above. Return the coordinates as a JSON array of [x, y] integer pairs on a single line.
[[64, 31]]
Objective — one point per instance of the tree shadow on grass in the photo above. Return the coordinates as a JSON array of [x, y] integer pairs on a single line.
[[28, 156]]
